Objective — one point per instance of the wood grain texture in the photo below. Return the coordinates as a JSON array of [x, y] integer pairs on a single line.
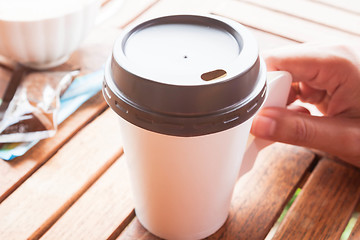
[[259, 196], [280, 24], [73, 186], [100, 211], [268, 41], [166, 7], [334, 18], [29, 211], [136, 231], [132, 11], [351, 6], [323, 208], [90, 56], [14, 173], [355, 233]]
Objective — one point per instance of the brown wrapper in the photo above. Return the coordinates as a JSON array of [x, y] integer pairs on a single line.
[[32, 112]]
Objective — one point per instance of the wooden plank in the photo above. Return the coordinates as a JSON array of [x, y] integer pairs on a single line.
[[280, 24], [351, 6], [355, 233], [131, 11], [136, 231], [33, 208], [166, 7], [90, 57], [100, 211], [325, 204], [15, 172], [314, 12], [259, 196], [268, 41]]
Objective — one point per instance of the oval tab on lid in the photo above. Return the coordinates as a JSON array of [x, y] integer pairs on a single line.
[[213, 75]]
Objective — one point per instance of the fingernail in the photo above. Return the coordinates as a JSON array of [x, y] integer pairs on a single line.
[[263, 126]]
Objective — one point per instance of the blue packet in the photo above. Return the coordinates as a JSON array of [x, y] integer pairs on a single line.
[[80, 90]]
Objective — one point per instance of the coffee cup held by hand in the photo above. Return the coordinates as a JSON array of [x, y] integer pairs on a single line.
[[43, 33], [186, 88]]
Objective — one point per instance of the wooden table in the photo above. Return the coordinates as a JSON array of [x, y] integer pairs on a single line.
[[75, 185]]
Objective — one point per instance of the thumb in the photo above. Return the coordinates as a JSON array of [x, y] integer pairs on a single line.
[[335, 135]]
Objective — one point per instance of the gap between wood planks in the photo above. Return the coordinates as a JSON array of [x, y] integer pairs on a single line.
[[328, 200], [122, 226], [351, 223], [259, 29], [52, 220], [300, 17], [92, 116], [280, 23], [291, 198], [99, 110], [338, 5], [139, 14]]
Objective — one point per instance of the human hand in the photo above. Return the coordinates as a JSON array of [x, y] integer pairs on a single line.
[[327, 76]]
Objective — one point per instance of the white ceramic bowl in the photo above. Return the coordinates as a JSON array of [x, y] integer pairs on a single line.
[[43, 33]]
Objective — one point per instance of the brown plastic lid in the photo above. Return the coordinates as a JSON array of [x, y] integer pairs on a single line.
[[185, 75]]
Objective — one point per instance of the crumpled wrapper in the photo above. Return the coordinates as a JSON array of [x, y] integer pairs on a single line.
[[32, 113]]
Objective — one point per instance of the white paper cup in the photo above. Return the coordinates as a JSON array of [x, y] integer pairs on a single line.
[[182, 186], [184, 133]]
